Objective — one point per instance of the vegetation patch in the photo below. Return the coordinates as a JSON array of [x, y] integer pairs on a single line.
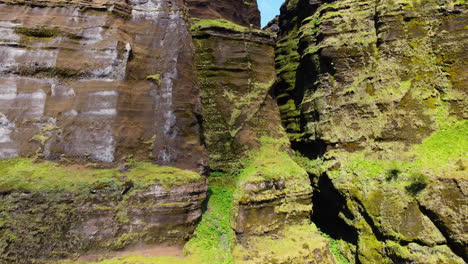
[[25, 175], [271, 162], [223, 24], [296, 244], [214, 239], [39, 32], [335, 249]]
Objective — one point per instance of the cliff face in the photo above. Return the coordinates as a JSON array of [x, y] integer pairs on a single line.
[[370, 70], [352, 114], [100, 81], [112, 83], [375, 89], [244, 13]]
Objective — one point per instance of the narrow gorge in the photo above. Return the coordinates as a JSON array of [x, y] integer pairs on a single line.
[[157, 131]]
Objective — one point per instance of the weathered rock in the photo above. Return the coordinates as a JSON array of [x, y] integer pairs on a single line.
[[92, 213], [368, 70], [363, 83], [235, 72], [269, 205], [244, 13], [446, 203], [100, 80], [296, 244]]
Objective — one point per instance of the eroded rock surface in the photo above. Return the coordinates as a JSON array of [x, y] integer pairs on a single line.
[[100, 80], [52, 212], [244, 13], [375, 89], [235, 73], [354, 71]]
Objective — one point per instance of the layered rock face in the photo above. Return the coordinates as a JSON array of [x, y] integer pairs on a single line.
[[51, 212], [376, 89], [244, 13], [369, 94], [98, 80], [383, 72], [235, 71], [115, 82]]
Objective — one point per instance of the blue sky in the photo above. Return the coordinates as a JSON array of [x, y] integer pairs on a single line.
[[269, 9]]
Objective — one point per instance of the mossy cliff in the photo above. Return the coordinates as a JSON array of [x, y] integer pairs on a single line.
[[244, 137], [222, 83], [376, 91], [338, 136], [235, 73], [50, 211]]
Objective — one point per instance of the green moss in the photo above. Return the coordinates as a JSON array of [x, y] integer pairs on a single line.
[[40, 138], [271, 162], [381, 187], [223, 24], [437, 153], [313, 167], [447, 145], [417, 182], [335, 249], [24, 175], [213, 238], [39, 32], [296, 244], [156, 78]]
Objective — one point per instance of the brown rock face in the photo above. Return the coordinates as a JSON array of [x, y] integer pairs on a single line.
[[39, 226], [78, 81], [241, 12], [235, 72]]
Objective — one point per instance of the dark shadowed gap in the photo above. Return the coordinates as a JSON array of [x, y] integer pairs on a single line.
[[328, 204]]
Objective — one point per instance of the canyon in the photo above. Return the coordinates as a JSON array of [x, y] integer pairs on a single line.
[[336, 134]]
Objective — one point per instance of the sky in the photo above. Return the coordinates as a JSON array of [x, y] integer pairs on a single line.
[[269, 9]]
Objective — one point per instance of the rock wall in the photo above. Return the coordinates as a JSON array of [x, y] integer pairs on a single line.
[[375, 90], [243, 13], [100, 80], [55, 212], [116, 82], [356, 71], [369, 92], [235, 73], [243, 134]]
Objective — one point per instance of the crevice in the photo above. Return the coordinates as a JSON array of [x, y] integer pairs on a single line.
[[377, 233], [328, 204], [456, 248], [311, 150]]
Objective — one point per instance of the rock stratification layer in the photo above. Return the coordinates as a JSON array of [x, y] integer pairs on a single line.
[[351, 113], [53, 212], [376, 90], [98, 80], [244, 13]]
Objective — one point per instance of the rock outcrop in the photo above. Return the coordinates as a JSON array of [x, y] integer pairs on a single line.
[[375, 89], [99, 80], [351, 113], [243, 13], [242, 130], [235, 72], [53, 212], [383, 72]]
